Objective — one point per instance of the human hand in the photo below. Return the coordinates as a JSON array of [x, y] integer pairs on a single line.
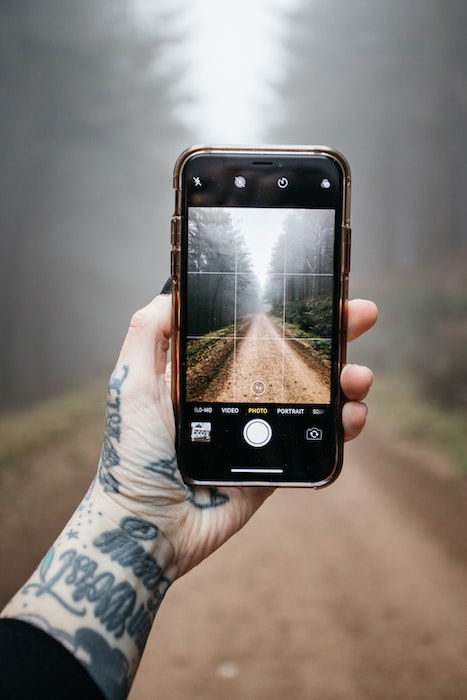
[[98, 587], [138, 468]]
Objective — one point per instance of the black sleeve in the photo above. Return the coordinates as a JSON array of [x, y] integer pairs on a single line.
[[34, 665]]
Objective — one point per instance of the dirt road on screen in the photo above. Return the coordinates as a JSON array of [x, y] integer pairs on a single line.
[[264, 368]]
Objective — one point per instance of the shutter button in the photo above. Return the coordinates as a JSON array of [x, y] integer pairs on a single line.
[[257, 432]]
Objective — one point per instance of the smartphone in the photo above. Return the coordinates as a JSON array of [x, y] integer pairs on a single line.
[[260, 264]]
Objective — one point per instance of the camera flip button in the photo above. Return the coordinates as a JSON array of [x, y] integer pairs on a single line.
[[257, 432], [313, 434]]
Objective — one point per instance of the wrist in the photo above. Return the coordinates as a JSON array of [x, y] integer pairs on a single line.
[[98, 589], [124, 514]]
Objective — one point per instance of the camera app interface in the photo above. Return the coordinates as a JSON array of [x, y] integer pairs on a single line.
[[259, 305]]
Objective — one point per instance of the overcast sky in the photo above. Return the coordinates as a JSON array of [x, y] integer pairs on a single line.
[[260, 229], [234, 55]]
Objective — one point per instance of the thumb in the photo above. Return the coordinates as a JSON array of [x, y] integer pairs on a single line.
[[147, 341]]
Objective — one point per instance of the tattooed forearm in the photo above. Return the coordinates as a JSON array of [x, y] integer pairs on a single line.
[[110, 457], [78, 579], [99, 586], [121, 546], [99, 597], [74, 579]]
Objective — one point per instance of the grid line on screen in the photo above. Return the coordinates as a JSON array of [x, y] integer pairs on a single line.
[[235, 324], [272, 274], [258, 293], [231, 337], [284, 292]]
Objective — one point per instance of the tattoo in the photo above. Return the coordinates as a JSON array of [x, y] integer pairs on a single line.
[[201, 498], [214, 498], [167, 468], [113, 603], [109, 456], [121, 545], [47, 584], [106, 665]]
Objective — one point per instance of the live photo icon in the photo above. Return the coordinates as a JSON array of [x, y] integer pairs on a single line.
[[200, 432]]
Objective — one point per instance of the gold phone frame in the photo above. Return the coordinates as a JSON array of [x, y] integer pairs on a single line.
[[176, 228]]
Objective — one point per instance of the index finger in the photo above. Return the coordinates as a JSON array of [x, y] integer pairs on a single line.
[[362, 315]]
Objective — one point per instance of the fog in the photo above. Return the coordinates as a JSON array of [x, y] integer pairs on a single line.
[[355, 591], [98, 98]]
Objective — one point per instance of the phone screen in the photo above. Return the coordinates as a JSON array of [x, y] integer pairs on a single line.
[[260, 285]]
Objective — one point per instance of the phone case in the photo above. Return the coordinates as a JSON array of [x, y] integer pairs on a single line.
[[344, 272]]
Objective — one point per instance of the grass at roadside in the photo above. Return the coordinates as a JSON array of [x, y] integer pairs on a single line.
[[196, 348], [417, 418], [321, 347], [32, 427]]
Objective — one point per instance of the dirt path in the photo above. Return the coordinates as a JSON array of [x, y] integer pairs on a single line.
[[357, 592], [267, 369]]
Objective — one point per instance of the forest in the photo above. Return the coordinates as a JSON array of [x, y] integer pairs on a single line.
[[304, 251], [216, 248], [88, 142], [299, 273]]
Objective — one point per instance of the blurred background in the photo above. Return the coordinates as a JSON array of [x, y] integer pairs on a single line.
[[356, 591]]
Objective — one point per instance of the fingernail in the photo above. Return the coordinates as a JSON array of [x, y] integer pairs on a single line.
[[167, 288]]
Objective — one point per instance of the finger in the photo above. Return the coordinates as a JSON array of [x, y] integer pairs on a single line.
[[354, 415], [147, 341], [356, 381], [362, 315]]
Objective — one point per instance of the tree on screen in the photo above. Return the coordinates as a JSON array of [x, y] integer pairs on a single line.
[[300, 271], [223, 284]]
